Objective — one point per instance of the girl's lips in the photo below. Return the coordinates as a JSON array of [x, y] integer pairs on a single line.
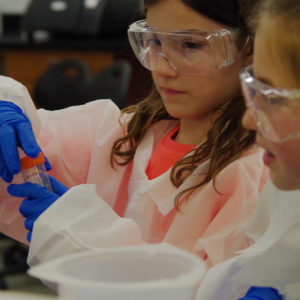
[[268, 158], [170, 92]]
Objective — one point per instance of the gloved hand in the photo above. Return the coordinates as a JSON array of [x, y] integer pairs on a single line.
[[15, 130], [262, 293], [37, 199]]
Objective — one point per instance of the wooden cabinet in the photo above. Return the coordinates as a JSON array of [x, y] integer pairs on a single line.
[[26, 61], [27, 66]]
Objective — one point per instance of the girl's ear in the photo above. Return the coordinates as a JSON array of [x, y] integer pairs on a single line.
[[248, 52]]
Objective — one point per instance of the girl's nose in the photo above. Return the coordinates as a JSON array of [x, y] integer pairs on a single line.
[[249, 120], [164, 67]]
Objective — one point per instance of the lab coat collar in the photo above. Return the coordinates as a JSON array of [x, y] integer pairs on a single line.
[[163, 192], [139, 181], [160, 189]]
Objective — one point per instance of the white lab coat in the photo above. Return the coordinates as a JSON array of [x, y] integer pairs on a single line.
[[78, 142], [273, 259]]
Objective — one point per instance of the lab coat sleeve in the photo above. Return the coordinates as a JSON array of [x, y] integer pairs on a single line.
[[71, 137], [272, 260], [277, 267], [13, 91], [79, 220], [11, 221]]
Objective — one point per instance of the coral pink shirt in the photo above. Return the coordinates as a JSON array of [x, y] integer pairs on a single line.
[[166, 154]]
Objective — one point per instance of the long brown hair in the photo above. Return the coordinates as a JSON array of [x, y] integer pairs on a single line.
[[226, 141]]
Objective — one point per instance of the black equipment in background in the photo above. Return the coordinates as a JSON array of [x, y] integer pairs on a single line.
[[81, 17], [63, 84], [69, 82], [112, 83]]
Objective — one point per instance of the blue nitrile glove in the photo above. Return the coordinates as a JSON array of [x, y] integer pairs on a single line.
[[15, 130], [37, 199], [262, 293]]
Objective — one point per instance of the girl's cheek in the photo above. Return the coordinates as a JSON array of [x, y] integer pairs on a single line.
[[289, 153], [249, 121]]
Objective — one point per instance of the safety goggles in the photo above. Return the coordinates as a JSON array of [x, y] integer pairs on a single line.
[[277, 111], [190, 53]]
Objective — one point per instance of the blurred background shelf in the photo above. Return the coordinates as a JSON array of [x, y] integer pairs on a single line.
[[31, 40]]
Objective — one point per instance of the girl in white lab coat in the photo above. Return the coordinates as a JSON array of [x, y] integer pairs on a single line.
[[272, 94], [177, 167]]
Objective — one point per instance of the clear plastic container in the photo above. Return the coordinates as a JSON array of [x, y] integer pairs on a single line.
[[33, 170], [144, 272]]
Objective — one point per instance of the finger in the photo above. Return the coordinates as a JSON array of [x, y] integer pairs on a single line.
[[47, 163], [9, 149], [29, 222], [27, 139], [25, 208], [57, 186], [19, 190], [33, 208], [29, 235], [5, 174], [28, 190]]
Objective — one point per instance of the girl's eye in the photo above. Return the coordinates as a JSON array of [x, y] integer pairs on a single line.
[[192, 45], [154, 42]]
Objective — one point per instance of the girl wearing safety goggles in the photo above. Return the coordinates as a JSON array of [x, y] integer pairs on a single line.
[[272, 96], [195, 51], [179, 166], [272, 93]]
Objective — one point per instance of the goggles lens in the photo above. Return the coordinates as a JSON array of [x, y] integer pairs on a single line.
[[190, 53], [276, 110]]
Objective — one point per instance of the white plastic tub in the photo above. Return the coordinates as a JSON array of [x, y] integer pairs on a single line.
[[156, 272]]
